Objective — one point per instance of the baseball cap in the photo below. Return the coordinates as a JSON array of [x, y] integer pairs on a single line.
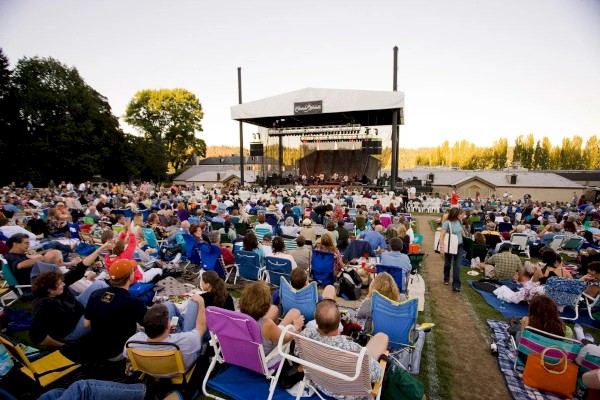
[[121, 268], [105, 220], [506, 245], [268, 237]]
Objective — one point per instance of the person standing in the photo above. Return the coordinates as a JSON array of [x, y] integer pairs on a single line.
[[452, 225]]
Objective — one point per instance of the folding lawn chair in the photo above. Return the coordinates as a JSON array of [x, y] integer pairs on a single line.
[[520, 243], [399, 275], [248, 265], [159, 360], [212, 260], [237, 340], [590, 303], [261, 232], [418, 238], [275, 269], [290, 242], [571, 246], [339, 372], [17, 290], [44, 370], [151, 240], [305, 299], [565, 293], [534, 341], [398, 320], [556, 242], [321, 264]]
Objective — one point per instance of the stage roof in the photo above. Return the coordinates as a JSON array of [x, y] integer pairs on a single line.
[[321, 107]]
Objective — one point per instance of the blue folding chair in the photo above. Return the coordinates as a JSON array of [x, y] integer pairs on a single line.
[[321, 264], [193, 220], [248, 265], [212, 260], [400, 276], [73, 231], [305, 299], [275, 268], [150, 238]]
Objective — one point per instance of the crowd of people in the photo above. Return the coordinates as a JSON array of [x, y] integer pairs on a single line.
[[87, 299]]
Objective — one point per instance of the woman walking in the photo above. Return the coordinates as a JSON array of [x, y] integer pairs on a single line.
[[452, 225]]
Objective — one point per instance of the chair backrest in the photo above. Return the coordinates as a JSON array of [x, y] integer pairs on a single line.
[[290, 243], [9, 277], [239, 338], [17, 353], [248, 264], [399, 275], [240, 228], [418, 238], [150, 238], [556, 242], [211, 258], [505, 227], [341, 372], [563, 291], [73, 230], [127, 212], [573, 243], [534, 341], [277, 268], [225, 238], [519, 239], [395, 319], [385, 220], [260, 232], [305, 299], [477, 226], [193, 220], [322, 263], [190, 244], [166, 359], [492, 240], [117, 228], [216, 225]]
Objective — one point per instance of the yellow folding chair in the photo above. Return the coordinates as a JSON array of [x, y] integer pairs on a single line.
[[44, 370]]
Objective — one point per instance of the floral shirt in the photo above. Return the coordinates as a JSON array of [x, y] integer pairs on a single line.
[[344, 343]]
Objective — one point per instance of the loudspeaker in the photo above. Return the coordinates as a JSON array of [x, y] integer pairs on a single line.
[[372, 146], [256, 150]]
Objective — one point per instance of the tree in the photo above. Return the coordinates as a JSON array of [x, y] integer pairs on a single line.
[[170, 117], [65, 129]]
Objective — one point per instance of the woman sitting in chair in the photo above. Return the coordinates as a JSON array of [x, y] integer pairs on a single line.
[[256, 302], [290, 229], [154, 223], [228, 230], [386, 286], [251, 244], [327, 244], [543, 315], [278, 246]]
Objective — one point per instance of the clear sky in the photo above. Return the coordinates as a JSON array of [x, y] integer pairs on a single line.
[[470, 69]]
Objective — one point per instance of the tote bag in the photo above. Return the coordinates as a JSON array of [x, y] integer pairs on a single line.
[[450, 243], [559, 378]]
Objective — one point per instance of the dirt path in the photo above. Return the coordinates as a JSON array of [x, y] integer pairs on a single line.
[[475, 370]]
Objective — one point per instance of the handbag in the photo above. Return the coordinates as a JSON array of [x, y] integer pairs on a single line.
[[559, 378], [450, 242]]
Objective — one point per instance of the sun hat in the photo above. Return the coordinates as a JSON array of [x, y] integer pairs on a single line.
[[105, 220], [306, 222]]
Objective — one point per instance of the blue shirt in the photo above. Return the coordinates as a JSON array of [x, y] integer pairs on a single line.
[[375, 239], [396, 259]]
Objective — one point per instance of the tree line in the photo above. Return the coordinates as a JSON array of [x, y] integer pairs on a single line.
[[53, 125]]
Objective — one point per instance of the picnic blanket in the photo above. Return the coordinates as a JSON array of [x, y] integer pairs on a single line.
[[514, 381], [509, 310]]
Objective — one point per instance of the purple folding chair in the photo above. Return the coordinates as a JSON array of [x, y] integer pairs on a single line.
[[237, 340]]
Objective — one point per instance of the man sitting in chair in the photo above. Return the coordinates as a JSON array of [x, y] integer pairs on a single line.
[[502, 265], [395, 257], [327, 316], [158, 328]]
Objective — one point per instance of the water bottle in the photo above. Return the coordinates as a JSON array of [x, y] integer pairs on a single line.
[[494, 349]]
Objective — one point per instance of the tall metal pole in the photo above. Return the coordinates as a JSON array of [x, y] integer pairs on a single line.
[[241, 129], [394, 169], [280, 156]]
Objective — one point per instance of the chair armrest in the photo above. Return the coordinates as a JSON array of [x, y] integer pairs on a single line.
[[383, 363]]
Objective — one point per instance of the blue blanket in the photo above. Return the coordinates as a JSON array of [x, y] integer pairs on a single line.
[[509, 310]]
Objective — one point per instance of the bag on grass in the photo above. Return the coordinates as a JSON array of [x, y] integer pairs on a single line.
[[399, 384], [557, 377], [349, 284]]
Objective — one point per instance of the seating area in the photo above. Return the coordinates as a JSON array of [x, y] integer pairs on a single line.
[[175, 256]]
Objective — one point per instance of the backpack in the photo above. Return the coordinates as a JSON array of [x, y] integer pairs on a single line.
[[349, 284], [143, 291], [399, 384]]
